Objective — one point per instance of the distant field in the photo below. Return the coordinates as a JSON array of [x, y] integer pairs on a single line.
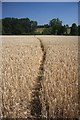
[[40, 30], [40, 77]]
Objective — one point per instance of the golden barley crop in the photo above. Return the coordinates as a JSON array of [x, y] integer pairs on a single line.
[[59, 94], [21, 59], [40, 77]]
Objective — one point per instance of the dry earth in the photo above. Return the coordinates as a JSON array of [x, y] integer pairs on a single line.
[[40, 77]]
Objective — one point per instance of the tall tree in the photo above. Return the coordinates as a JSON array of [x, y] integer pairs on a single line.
[[7, 23], [79, 30], [16, 26], [33, 25], [55, 25], [74, 29], [63, 30]]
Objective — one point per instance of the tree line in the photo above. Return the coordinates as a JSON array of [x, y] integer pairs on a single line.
[[15, 26], [25, 26]]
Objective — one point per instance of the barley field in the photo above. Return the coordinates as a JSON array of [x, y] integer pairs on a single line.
[[39, 77]]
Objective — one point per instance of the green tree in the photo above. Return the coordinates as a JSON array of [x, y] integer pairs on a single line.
[[55, 25], [0, 26], [63, 30], [55, 22], [7, 22], [33, 26], [67, 26], [25, 23], [79, 30], [74, 29], [46, 26], [46, 32], [16, 26]]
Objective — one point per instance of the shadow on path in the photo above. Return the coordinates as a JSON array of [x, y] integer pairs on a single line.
[[36, 106]]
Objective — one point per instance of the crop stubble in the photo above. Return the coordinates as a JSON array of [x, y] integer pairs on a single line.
[[23, 66]]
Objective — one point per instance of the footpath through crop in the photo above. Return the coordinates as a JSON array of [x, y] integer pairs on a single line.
[[36, 106]]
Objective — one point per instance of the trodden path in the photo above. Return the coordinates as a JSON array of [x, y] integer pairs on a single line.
[[36, 106]]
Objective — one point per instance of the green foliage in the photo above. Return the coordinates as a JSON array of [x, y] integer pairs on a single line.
[[40, 26], [37, 33], [67, 26], [46, 32], [0, 27], [14, 26], [56, 26], [63, 30], [74, 29], [46, 26], [33, 25], [79, 30], [55, 21], [24, 26]]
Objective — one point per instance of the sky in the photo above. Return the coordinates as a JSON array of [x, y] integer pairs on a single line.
[[42, 12]]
